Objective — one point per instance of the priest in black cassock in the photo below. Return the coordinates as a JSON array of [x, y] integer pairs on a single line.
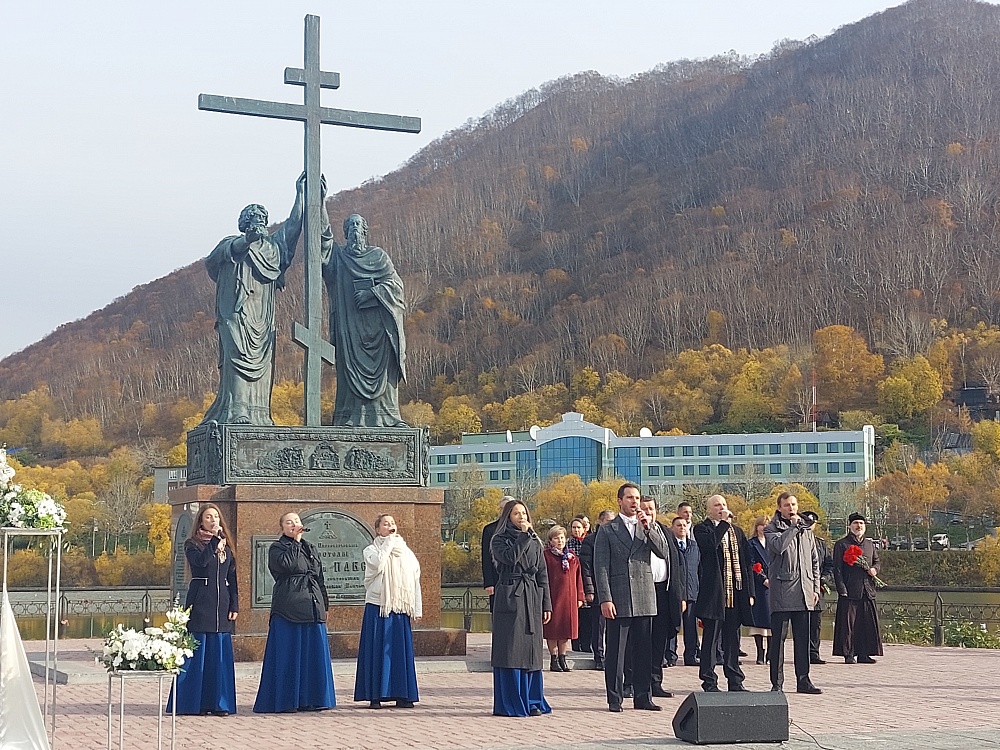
[[856, 634]]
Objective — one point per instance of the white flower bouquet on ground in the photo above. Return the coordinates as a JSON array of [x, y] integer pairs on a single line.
[[152, 649], [26, 509]]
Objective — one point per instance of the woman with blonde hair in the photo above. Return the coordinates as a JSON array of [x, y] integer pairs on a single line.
[[297, 674], [386, 669], [566, 592]]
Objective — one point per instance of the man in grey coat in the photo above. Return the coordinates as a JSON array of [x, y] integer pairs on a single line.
[[794, 589], [624, 581]]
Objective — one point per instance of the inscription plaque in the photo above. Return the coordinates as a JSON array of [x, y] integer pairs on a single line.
[[179, 581], [340, 539]]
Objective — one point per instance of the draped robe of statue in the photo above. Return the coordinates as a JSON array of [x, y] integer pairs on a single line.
[[246, 283], [370, 343]]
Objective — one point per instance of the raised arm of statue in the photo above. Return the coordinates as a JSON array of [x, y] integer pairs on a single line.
[[288, 236]]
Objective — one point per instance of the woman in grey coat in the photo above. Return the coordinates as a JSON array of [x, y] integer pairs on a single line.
[[521, 605]]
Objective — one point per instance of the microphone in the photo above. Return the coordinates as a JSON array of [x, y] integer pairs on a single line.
[[305, 529]]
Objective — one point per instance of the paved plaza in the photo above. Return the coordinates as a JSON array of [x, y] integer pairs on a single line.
[[913, 698]]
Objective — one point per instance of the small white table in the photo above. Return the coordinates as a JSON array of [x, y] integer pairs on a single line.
[[160, 676]]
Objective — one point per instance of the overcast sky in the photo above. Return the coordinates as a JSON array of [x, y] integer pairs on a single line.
[[112, 177]]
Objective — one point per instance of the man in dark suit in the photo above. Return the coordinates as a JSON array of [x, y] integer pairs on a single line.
[[726, 593], [826, 579], [489, 567], [627, 595], [599, 624], [690, 561], [670, 585]]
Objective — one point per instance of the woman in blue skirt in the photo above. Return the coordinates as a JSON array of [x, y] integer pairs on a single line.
[[207, 683], [297, 674], [521, 605], [392, 596]]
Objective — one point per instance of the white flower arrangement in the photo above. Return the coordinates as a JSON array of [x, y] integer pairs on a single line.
[[26, 509], [153, 649]]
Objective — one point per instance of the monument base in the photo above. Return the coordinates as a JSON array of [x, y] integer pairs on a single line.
[[341, 522], [232, 454]]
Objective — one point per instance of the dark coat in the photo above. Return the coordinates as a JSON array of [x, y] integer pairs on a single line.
[[676, 578], [691, 561], [621, 567], [761, 602], [825, 571], [489, 569], [587, 563], [565, 590], [853, 581], [520, 597], [299, 587], [212, 593], [711, 602]]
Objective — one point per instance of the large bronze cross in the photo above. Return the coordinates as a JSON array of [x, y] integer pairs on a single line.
[[313, 114]]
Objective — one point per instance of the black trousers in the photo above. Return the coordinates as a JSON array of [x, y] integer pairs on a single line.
[[815, 625], [597, 633], [621, 630], [730, 631], [663, 627], [661, 630], [800, 637], [585, 624], [689, 622]]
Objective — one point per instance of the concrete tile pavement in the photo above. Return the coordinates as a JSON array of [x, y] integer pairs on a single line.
[[915, 697]]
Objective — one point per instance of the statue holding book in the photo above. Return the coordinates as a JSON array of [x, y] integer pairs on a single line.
[[366, 328]]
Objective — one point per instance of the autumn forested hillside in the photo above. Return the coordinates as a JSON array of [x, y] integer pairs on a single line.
[[612, 224]]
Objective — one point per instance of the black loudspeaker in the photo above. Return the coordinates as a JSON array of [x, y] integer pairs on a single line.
[[721, 718]]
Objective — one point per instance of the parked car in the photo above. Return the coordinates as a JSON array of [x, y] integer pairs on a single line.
[[940, 541], [900, 542], [920, 542]]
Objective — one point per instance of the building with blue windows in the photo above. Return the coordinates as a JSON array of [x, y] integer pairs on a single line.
[[831, 464]]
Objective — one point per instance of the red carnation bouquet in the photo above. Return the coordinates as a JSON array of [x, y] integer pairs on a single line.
[[758, 568], [854, 555]]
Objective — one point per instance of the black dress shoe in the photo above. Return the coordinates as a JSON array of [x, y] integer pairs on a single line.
[[849, 660], [627, 692], [598, 664], [712, 689], [776, 689], [743, 653], [865, 660], [403, 703], [807, 687], [817, 660], [659, 692], [375, 704], [646, 706], [694, 663], [614, 708], [737, 687], [535, 712]]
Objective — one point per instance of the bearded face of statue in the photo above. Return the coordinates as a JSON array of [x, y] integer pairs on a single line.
[[356, 231]]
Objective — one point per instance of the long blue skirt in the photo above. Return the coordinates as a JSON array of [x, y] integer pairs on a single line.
[[385, 658], [297, 674], [517, 691], [207, 681]]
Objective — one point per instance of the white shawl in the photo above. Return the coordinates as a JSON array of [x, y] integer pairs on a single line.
[[392, 571]]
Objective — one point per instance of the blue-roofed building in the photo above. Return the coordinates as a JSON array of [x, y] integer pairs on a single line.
[[832, 464]]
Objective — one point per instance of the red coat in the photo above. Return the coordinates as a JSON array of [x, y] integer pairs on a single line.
[[566, 589]]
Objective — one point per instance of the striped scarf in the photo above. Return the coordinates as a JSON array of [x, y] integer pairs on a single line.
[[732, 576]]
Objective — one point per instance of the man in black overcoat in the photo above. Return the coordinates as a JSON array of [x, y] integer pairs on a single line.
[[599, 625], [725, 594], [826, 576]]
